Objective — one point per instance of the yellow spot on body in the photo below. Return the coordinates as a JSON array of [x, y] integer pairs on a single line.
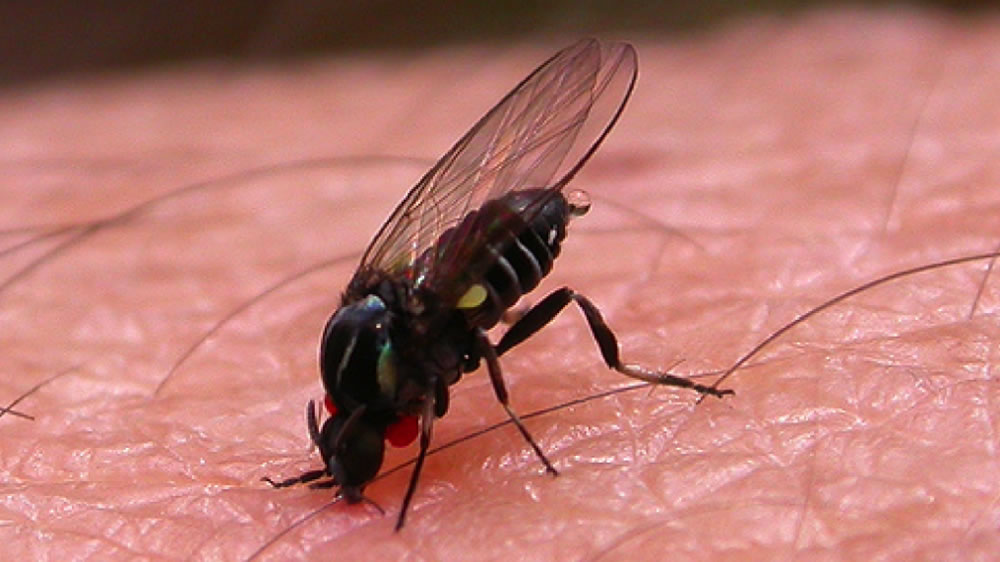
[[472, 298]]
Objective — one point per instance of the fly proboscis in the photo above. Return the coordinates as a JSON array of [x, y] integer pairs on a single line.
[[478, 231]]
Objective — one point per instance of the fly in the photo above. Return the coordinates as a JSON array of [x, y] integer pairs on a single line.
[[477, 232]]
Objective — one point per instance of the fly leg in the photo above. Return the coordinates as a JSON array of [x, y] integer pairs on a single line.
[[426, 425], [489, 353], [306, 477], [543, 313], [312, 475]]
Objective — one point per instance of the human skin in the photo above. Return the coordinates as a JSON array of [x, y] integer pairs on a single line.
[[759, 170]]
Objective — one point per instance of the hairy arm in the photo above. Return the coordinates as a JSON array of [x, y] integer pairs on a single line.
[[758, 171]]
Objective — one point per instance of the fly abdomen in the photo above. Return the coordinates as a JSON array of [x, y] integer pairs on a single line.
[[523, 258]]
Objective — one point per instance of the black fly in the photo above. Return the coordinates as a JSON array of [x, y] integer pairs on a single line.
[[480, 229]]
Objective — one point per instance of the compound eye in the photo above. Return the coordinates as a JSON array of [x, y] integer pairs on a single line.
[[358, 457], [351, 448]]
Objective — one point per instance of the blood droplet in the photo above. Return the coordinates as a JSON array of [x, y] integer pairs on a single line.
[[403, 432]]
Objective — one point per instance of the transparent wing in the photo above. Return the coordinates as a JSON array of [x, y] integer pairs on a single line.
[[547, 127]]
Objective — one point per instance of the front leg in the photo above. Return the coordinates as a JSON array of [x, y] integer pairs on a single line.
[[312, 475], [426, 428]]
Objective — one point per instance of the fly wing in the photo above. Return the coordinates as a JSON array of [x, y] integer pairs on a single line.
[[547, 127]]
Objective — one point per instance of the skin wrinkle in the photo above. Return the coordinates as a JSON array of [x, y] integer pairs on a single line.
[[740, 170]]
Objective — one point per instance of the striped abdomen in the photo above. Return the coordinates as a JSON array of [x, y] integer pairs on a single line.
[[521, 259]]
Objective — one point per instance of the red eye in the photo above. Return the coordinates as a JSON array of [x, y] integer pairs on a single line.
[[330, 407], [403, 432]]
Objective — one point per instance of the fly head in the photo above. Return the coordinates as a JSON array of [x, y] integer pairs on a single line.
[[351, 448]]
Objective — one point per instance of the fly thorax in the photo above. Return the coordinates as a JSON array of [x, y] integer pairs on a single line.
[[386, 372], [357, 360]]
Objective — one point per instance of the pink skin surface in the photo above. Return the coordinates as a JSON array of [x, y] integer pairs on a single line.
[[759, 170]]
